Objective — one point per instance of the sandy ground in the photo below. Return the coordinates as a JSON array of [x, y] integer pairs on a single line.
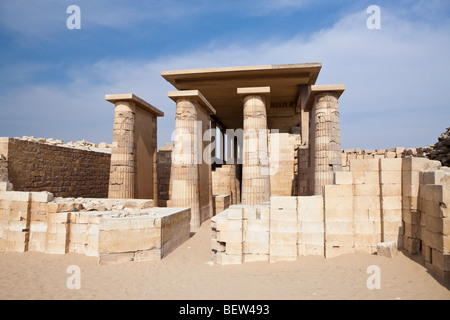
[[185, 274]]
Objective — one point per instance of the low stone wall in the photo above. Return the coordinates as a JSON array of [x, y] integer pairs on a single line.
[[400, 200], [114, 230], [63, 171]]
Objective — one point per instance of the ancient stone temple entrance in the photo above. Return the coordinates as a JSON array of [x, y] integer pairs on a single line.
[[278, 134]]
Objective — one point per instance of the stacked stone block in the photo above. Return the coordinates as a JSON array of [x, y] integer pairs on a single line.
[[139, 238], [282, 164], [411, 169], [391, 200], [339, 220], [283, 229], [227, 236], [164, 163], [220, 203], [256, 236], [311, 227]]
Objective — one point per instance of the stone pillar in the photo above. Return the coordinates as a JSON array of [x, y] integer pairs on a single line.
[[127, 161], [255, 167], [190, 174], [325, 134]]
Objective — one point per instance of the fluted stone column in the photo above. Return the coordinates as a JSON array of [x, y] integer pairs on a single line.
[[124, 169], [188, 172], [121, 180], [325, 133], [255, 167]]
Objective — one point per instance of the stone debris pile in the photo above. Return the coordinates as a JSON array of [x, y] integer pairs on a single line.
[[441, 150], [83, 144]]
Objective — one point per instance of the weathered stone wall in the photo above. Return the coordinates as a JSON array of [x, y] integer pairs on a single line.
[[404, 201], [66, 172], [283, 160], [400, 152], [112, 230]]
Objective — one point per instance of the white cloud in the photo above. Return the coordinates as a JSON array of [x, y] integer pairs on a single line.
[[397, 79]]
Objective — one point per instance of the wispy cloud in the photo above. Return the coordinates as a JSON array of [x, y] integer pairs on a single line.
[[396, 80]]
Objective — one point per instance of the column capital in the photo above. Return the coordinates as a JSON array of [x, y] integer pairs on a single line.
[[317, 89], [192, 94], [130, 97], [256, 91]]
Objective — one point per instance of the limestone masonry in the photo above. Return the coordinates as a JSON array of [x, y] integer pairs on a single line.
[[256, 153]]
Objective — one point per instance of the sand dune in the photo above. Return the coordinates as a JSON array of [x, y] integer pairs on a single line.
[[186, 274]]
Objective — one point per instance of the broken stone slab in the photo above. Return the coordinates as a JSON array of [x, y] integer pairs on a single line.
[[387, 249]]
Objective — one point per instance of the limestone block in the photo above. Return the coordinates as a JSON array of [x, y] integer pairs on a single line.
[[392, 228], [283, 203], [316, 239], [411, 217], [256, 226], [392, 215], [367, 240], [392, 203], [114, 241], [387, 249], [235, 213], [420, 164], [343, 178], [391, 164], [41, 197], [338, 191], [345, 240], [229, 236], [311, 227], [283, 226], [364, 165], [338, 227], [366, 202], [391, 190], [391, 176], [288, 215], [233, 248], [229, 225]]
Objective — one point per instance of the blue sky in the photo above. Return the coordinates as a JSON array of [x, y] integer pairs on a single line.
[[53, 80]]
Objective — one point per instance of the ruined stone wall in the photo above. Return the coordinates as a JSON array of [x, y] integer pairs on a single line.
[[66, 172], [400, 152], [401, 200], [114, 230]]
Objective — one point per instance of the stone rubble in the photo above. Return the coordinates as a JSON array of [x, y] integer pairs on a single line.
[[441, 150], [82, 145]]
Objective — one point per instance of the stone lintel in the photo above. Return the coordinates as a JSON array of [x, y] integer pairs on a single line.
[[114, 98], [260, 91], [193, 94], [316, 89]]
